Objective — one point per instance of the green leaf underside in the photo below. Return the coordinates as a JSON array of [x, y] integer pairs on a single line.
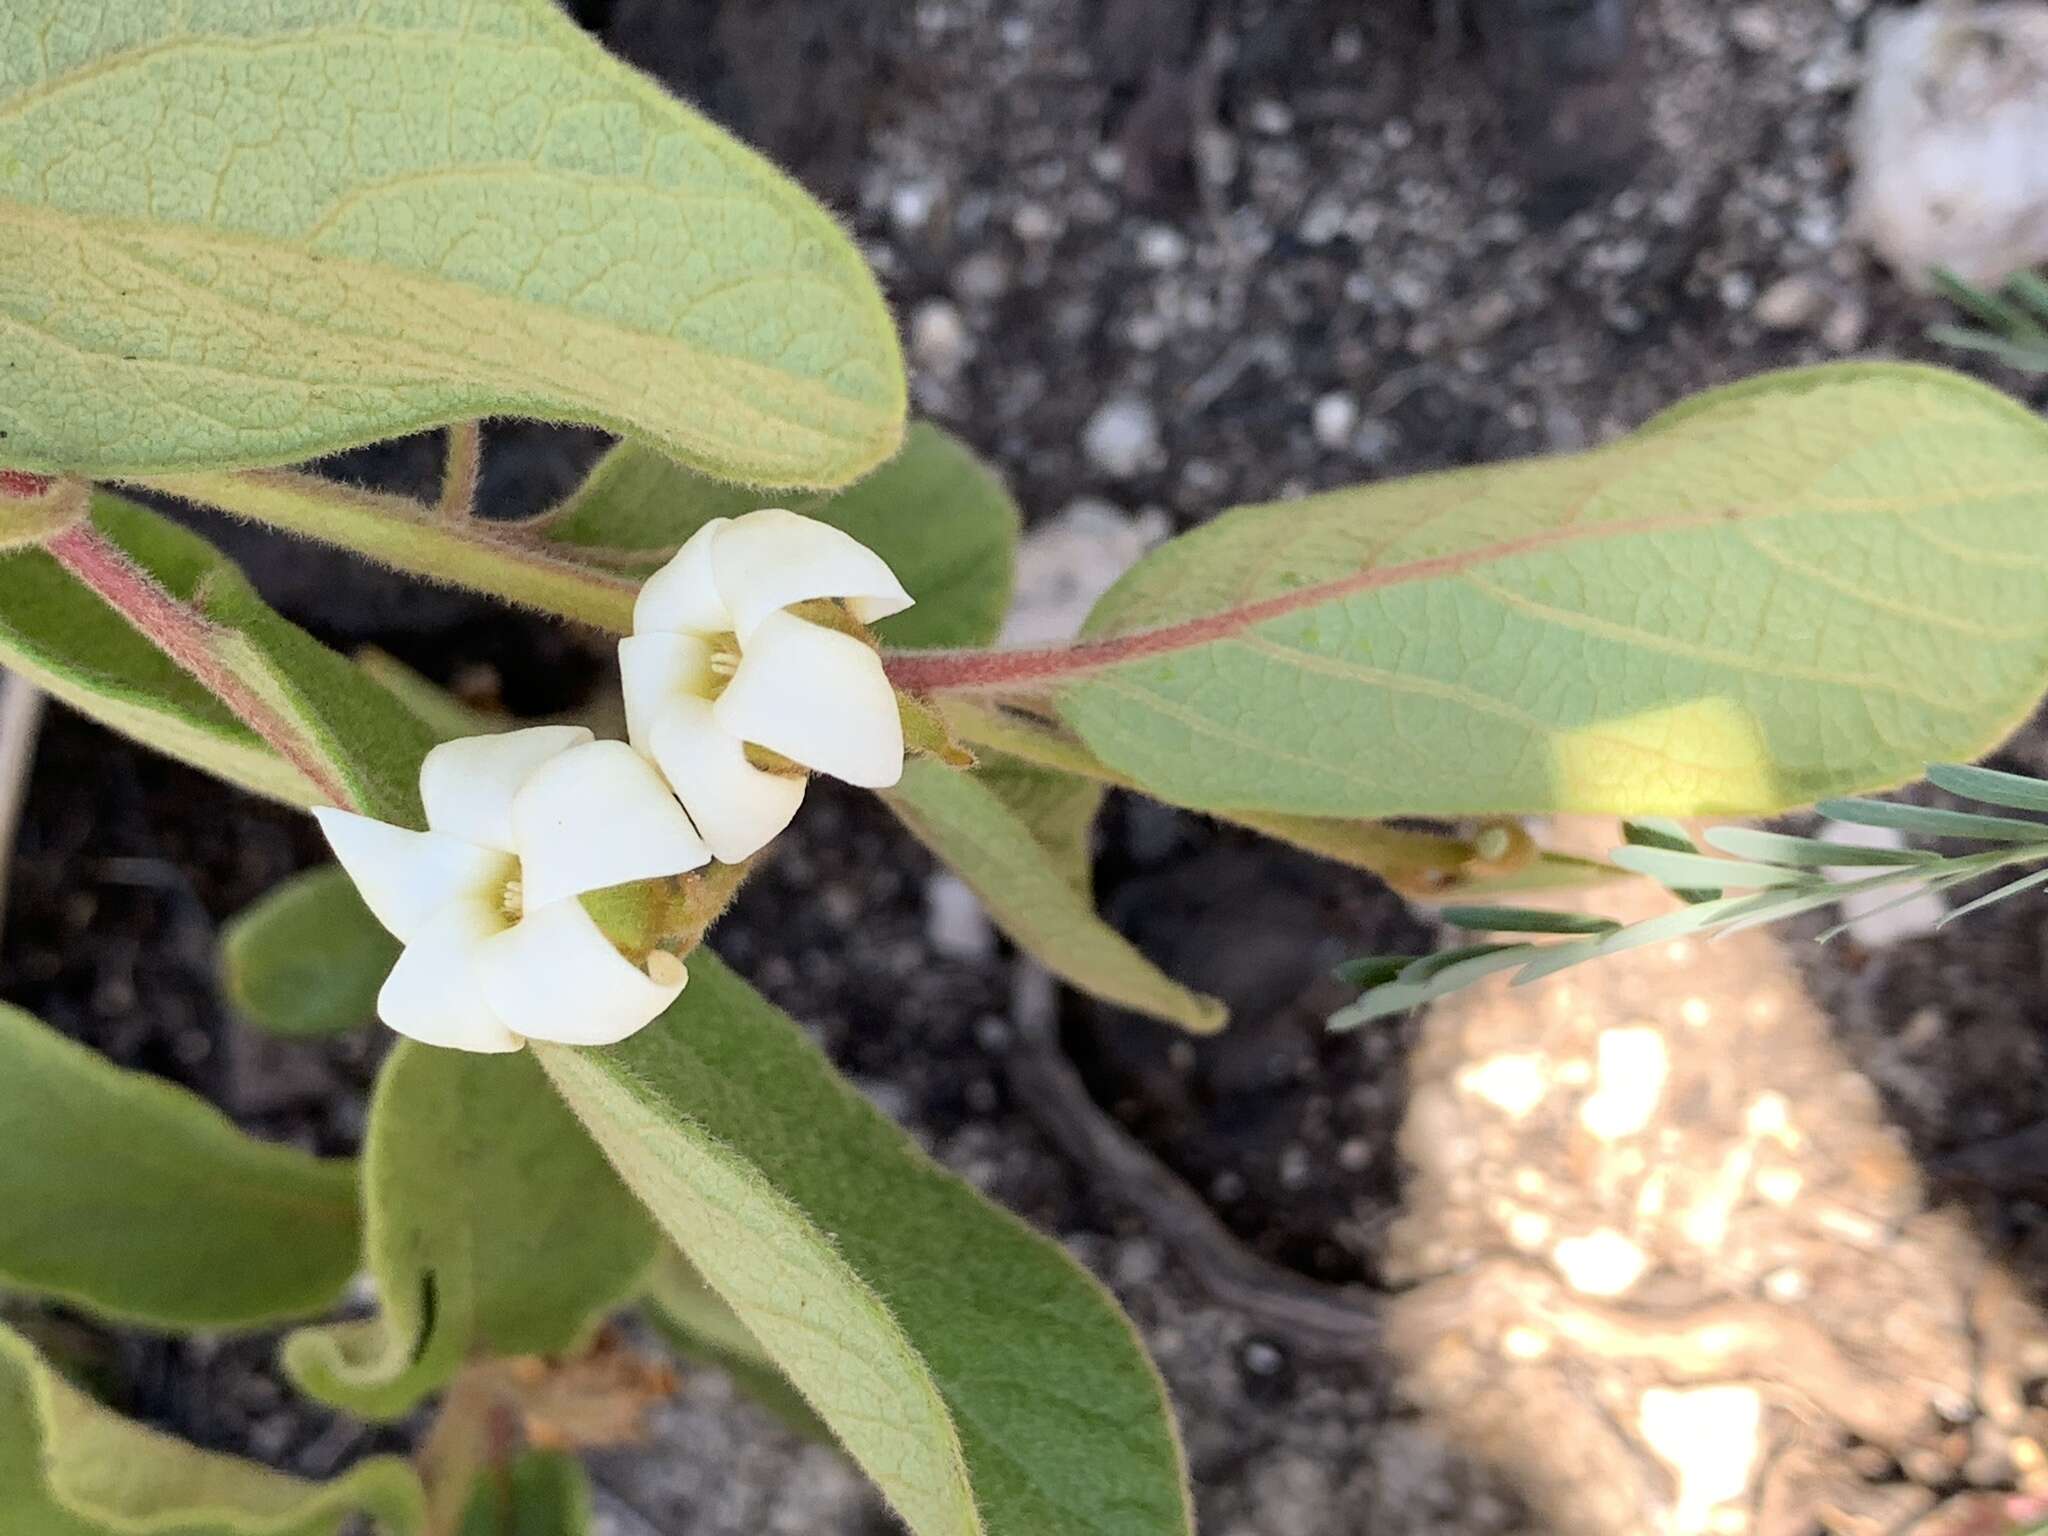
[[494, 1226], [61, 635], [1375, 846], [699, 1326], [973, 1370], [1029, 891], [543, 1493], [1807, 585], [137, 1200], [935, 512], [70, 1467], [268, 231], [307, 958], [1057, 809]]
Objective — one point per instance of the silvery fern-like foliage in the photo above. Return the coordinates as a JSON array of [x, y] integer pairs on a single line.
[[1771, 875], [2011, 324]]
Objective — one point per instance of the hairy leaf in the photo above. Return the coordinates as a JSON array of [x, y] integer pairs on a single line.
[[136, 1199], [58, 632], [1804, 585], [248, 234], [1029, 891], [70, 1467], [307, 958], [493, 1226], [699, 1326], [935, 512], [969, 1366], [1057, 809]]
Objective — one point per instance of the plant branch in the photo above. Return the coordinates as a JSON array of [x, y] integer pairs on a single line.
[[410, 536], [1316, 1320], [192, 641]]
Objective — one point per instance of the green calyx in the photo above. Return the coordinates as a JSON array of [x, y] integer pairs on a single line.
[[650, 919]]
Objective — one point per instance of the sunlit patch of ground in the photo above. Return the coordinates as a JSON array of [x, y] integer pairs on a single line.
[[1666, 1263]]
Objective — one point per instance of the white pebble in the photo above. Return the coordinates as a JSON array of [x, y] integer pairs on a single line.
[[1122, 438], [955, 922], [1335, 419]]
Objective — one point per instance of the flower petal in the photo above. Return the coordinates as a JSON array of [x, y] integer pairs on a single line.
[[553, 975], [407, 877], [434, 994], [737, 806], [772, 558], [818, 697], [656, 668], [681, 597], [599, 815], [467, 786]]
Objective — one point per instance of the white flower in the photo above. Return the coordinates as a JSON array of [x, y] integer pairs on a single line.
[[498, 949], [717, 661]]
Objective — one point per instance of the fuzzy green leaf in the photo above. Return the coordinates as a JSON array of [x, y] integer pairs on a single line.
[[493, 1227], [935, 512], [543, 1493], [70, 1467], [1058, 809], [59, 633], [138, 1200], [253, 233], [1029, 891], [699, 1326], [969, 1366], [307, 958], [1807, 585]]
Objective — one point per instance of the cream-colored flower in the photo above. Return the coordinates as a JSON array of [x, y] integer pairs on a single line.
[[498, 948], [718, 661]]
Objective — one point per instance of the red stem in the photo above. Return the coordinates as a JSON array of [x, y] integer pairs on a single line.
[[1020, 671], [192, 641]]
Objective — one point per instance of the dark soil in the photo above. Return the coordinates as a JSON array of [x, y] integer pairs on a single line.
[[1300, 243]]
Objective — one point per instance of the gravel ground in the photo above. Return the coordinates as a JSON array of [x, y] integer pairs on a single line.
[[1155, 257]]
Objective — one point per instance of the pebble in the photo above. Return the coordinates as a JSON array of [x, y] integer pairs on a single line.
[[1162, 247], [1122, 438], [938, 337], [1335, 420], [955, 922], [910, 206], [982, 278], [1789, 303]]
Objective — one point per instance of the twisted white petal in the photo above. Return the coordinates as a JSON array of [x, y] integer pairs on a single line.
[[737, 806], [433, 994], [655, 669], [467, 786], [772, 558], [681, 597], [555, 976], [819, 698], [599, 815], [407, 877]]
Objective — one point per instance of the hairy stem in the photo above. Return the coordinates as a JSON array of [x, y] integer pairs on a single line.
[[459, 478], [410, 536], [194, 643]]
